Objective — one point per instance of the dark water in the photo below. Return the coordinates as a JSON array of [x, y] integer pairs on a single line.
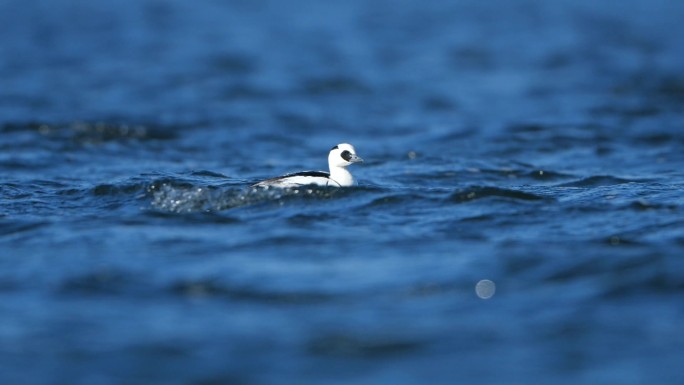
[[533, 148]]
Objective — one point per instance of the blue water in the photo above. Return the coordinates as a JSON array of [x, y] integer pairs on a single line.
[[519, 216]]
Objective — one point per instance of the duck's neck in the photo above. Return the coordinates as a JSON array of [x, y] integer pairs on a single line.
[[342, 176]]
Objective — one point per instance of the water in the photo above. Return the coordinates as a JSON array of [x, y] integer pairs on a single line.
[[518, 218]]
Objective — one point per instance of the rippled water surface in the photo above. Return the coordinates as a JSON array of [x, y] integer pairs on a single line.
[[519, 217]]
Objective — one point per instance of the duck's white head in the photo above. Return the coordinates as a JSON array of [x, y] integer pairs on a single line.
[[343, 155]]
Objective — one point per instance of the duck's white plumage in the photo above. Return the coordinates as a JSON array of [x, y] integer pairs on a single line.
[[339, 158]]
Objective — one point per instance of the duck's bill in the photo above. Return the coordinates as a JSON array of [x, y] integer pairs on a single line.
[[355, 158]]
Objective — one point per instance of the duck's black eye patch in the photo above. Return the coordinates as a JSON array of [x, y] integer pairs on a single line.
[[346, 155]]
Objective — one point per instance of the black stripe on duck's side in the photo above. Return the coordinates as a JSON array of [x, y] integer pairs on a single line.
[[321, 174]]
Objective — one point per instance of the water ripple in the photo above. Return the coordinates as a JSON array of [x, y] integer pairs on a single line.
[[483, 192], [214, 288], [599, 181], [94, 132]]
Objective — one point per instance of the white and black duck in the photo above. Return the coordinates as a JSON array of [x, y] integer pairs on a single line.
[[340, 157]]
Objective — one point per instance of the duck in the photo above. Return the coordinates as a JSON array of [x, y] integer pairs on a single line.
[[340, 157]]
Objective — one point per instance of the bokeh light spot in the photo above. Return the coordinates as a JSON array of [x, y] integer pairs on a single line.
[[485, 289]]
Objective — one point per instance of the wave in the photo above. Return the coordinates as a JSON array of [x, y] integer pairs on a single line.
[[482, 192], [600, 181], [95, 131]]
